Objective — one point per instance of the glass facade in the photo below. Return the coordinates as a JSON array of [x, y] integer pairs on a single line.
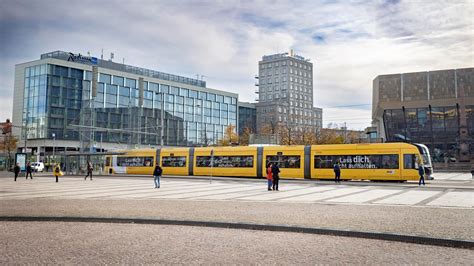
[[52, 101], [57, 97], [437, 127], [247, 119]]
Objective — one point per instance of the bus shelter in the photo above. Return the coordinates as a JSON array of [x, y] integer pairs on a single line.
[[76, 163]]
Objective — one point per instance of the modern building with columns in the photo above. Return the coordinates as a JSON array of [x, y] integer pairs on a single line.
[[435, 108], [71, 102]]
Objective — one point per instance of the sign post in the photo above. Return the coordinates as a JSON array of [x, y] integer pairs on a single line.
[[20, 159], [212, 165]]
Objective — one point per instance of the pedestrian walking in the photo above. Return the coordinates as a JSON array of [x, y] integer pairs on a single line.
[[89, 170], [276, 176], [157, 175], [29, 170], [337, 173], [16, 170], [57, 172], [269, 176], [421, 172]]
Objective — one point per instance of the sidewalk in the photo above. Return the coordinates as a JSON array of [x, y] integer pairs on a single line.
[[202, 201]]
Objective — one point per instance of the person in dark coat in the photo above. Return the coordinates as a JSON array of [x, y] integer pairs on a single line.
[[157, 175], [89, 170], [57, 171], [16, 170], [421, 172], [337, 172], [29, 171], [275, 176]]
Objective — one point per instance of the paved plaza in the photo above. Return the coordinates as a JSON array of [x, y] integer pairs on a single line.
[[442, 209], [435, 194], [134, 244]]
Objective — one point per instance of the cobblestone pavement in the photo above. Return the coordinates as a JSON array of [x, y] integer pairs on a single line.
[[436, 211], [98, 243], [425, 221], [453, 176], [229, 190]]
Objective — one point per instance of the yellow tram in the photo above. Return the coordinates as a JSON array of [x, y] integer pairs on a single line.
[[381, 161]]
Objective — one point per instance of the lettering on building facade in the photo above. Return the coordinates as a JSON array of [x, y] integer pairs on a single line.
[[81, 58]]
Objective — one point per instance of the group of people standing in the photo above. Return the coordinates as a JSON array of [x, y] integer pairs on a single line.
[[273, 176], [17, 170], [56, 171]]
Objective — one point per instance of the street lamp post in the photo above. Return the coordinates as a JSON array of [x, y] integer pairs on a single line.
[[162, 122], [54, 146], [203, 137], [26, 134]]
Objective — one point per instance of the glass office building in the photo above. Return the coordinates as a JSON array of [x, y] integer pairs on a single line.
[[247, 117], [435, 108], [76, 102]]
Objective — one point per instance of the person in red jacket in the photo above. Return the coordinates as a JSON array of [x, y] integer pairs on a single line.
[[269, 176]]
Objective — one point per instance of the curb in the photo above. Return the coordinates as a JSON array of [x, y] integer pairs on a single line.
[[456, 243]]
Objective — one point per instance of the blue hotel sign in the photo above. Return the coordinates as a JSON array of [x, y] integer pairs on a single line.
[[82, 59]]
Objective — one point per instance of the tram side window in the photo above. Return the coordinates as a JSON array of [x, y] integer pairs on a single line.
[[107, 161], [389, 161], [173, 161], [409, 161], [285, 161], [225, 161], [134, 161]]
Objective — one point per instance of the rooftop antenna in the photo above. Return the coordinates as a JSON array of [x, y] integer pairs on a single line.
[[111, 56], [102, 54], [123, 61]]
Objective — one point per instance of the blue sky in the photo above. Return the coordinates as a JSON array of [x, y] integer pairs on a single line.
[[349, 42]]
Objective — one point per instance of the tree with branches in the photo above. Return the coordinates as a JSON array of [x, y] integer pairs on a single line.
[[9, 142], [230, 137], [244, 138]]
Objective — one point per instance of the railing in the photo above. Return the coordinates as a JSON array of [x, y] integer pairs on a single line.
[[131, 69]]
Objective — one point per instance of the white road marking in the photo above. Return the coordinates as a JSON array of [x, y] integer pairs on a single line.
[[284, 193], [409, 198], [123, 188], [365, 196], [454, 199], [327, 194]]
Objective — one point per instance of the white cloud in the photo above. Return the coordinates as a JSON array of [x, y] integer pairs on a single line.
[[350, 43]]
